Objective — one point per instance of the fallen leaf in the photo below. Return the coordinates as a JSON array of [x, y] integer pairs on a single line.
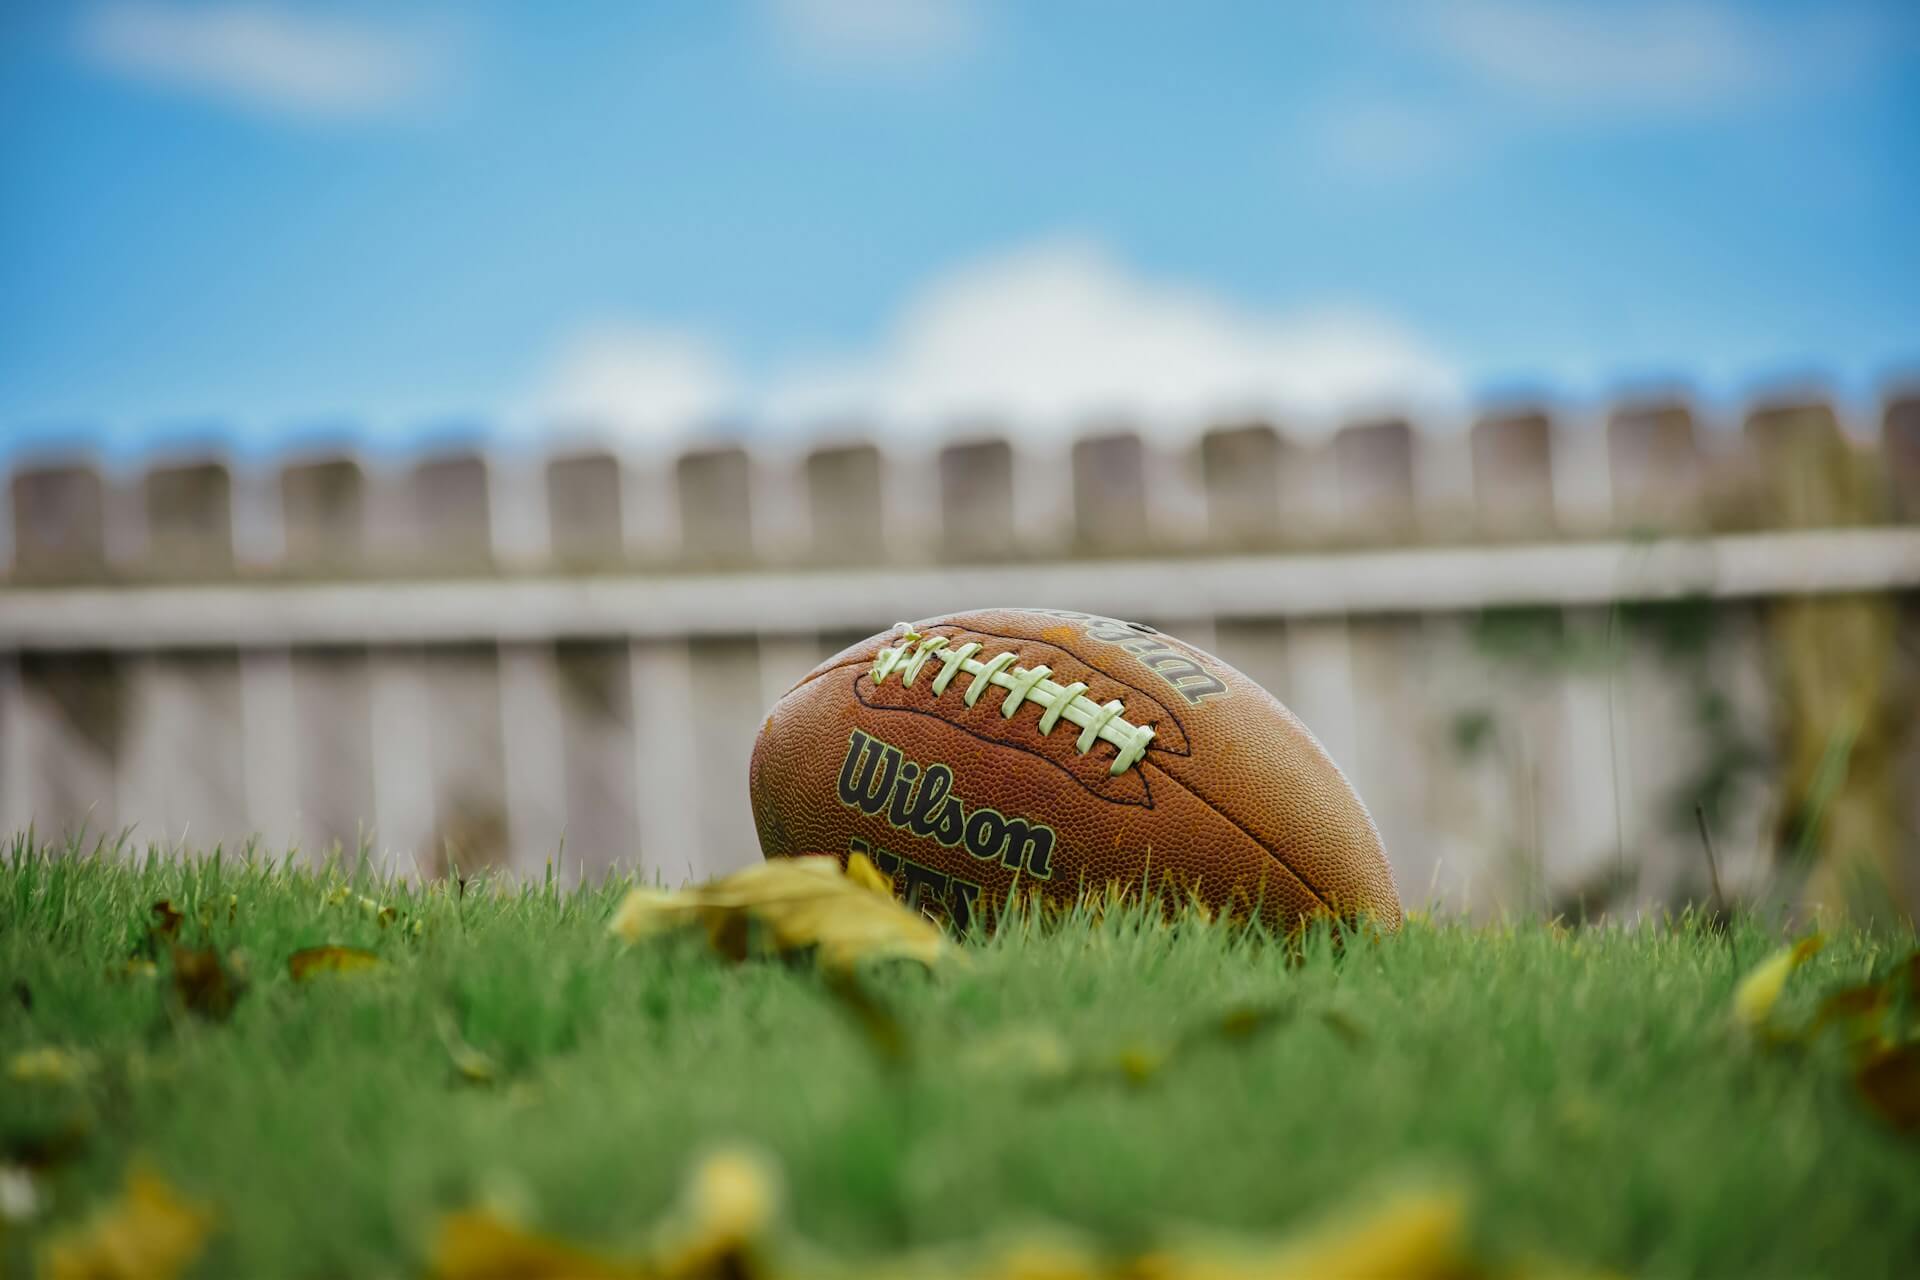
[[803, 904], [48, 1065], [1349, 1032], [731, 1201], [308, 961], [1413, 1236], [1759, 991], [1889, 1082], [1039, 1256], [862, 871], [47, 1148], [150, 1233], [1139, 1064], [167, 919], [478, 1246], [1248, 1021], [1859, 1011], [204, 983], [469, 1063]]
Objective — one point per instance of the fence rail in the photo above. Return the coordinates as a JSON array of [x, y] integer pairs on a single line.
[[803, 601], [473, 657]]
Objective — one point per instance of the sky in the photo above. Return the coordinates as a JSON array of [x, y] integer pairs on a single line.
[[268, 223]]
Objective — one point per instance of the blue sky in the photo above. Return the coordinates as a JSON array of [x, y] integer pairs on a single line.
[[273, 220]]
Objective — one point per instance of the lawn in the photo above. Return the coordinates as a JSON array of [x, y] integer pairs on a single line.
[[1585, 1093]]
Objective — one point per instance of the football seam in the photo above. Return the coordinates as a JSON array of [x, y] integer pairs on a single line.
[[1186, 739], [1145, 783], [1241, 827]]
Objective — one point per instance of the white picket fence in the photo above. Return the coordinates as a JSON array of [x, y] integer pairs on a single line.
[[1533, 645]]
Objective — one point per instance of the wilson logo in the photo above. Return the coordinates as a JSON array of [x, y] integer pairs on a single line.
[[1180, 669], [878, 780]]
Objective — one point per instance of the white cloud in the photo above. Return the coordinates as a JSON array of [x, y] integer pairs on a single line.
[[635, 383], [1640, 57], [874, 33], [266, 57], [1044, 339]]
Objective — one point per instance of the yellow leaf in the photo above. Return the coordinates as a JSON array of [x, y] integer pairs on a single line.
[[730, 1203], [647, 913], [478, 1246], [1414, 1236], [1139, 1063], [150, 1233], [802, 903], [48, 1065], [1036, 1256], [1759, 991], [303, 964], [861, 871]]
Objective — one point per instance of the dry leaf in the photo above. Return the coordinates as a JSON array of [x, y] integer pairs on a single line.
[[167, 919], [204, 983], [469, 1063], [1037, 1256], [48, 1065], [1859, 1011], [1247, 1021], [1349, 1032], [308, 961], [1138, 1064], [1759, 991], [1414, 1236], [862, 871], [149, 1233], [731, 1202], [802, 903], [47, 1148], [478, 1246], [1890, 1083]]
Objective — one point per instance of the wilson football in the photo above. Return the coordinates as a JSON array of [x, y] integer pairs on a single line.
[[977, 752]]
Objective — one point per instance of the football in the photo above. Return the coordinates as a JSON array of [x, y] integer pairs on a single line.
[[981, 754]]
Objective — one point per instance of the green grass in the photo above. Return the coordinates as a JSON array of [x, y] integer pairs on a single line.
[[1585, 1088]]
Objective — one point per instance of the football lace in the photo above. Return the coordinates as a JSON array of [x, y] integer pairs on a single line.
[[1057, 702]]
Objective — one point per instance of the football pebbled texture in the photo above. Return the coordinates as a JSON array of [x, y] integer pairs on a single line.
[[1043, 749]]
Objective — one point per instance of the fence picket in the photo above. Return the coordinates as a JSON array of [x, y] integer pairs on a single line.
[[1513, 757]]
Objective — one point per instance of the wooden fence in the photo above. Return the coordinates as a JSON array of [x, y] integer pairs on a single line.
[[1539, 646]]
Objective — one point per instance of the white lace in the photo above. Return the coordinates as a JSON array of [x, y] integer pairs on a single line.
[[1056, 701]]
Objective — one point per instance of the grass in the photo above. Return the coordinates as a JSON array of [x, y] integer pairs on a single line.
[[1584, 1088]]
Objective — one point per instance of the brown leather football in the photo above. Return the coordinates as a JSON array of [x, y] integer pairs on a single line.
[[1061, 751]]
